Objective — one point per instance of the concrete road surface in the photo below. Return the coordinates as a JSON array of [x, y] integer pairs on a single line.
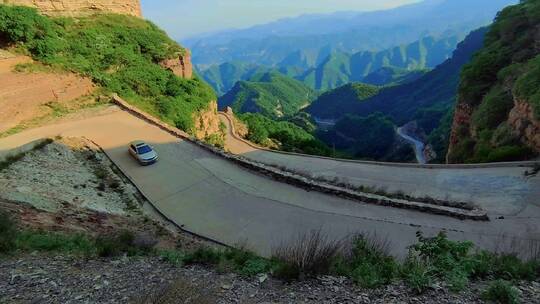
[[216, 199], [499, 191]]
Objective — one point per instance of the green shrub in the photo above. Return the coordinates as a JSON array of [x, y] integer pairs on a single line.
[[203, 256], [309, 255], [173, 257], [457, 279], [241, 261], [8, 232], [501, 292], [509, 153], [216, 140], [417, 275], [124, 242], [370, 266], [54, 242]]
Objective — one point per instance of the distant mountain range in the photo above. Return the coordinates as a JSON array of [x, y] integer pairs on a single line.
[[314, 37], [397, 65]]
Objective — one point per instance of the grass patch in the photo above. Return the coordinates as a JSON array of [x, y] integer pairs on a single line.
[[217, 140], [35, 67], [501, 292], [241, 261], [124, 242], [368, 264], [54, 242], [311, 254]]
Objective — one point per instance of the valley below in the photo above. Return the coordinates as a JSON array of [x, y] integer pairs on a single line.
[[419, 146]]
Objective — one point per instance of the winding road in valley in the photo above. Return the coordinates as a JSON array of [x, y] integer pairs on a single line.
[[212, 197], [418, 146]]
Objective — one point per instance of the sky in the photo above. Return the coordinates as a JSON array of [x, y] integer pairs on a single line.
[[185, 18]]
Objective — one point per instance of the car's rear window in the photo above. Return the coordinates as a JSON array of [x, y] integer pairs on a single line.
[[143, 149]]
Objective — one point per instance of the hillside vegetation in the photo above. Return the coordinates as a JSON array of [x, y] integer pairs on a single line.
[[271, 94], [283, 134], [503, 74], [337, 103], [120, 53], [429, 99]]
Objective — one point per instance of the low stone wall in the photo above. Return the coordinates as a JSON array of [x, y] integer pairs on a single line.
[[304, 182], [401, 165], [6, 155]]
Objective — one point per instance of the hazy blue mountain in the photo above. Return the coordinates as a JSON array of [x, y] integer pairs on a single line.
[[309, 38], [341, 68], [393, 66]]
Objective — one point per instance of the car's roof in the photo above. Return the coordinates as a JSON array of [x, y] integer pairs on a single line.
[[138, 143]]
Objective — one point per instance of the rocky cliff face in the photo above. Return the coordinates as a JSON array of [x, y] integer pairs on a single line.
[[524, 124], [460, 128], [181, 65], [80, 7], [207, 121]]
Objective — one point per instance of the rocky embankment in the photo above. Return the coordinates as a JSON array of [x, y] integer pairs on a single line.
[[81, 7]]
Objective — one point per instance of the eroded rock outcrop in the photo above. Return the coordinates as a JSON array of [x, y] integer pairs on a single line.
[[180, 65], [81, 7], [460, 127], [207, 121], [524, 124]]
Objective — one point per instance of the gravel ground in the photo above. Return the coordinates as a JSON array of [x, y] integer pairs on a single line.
[[64, 279], [66, 171]]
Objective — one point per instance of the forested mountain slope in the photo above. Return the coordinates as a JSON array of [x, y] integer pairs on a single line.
[[271, 94], [497, 117], [437, 87]]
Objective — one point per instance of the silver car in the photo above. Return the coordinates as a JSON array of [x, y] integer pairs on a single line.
[[143, 152]]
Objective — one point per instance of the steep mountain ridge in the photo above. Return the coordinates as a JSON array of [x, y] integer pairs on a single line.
[[497, 117]]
